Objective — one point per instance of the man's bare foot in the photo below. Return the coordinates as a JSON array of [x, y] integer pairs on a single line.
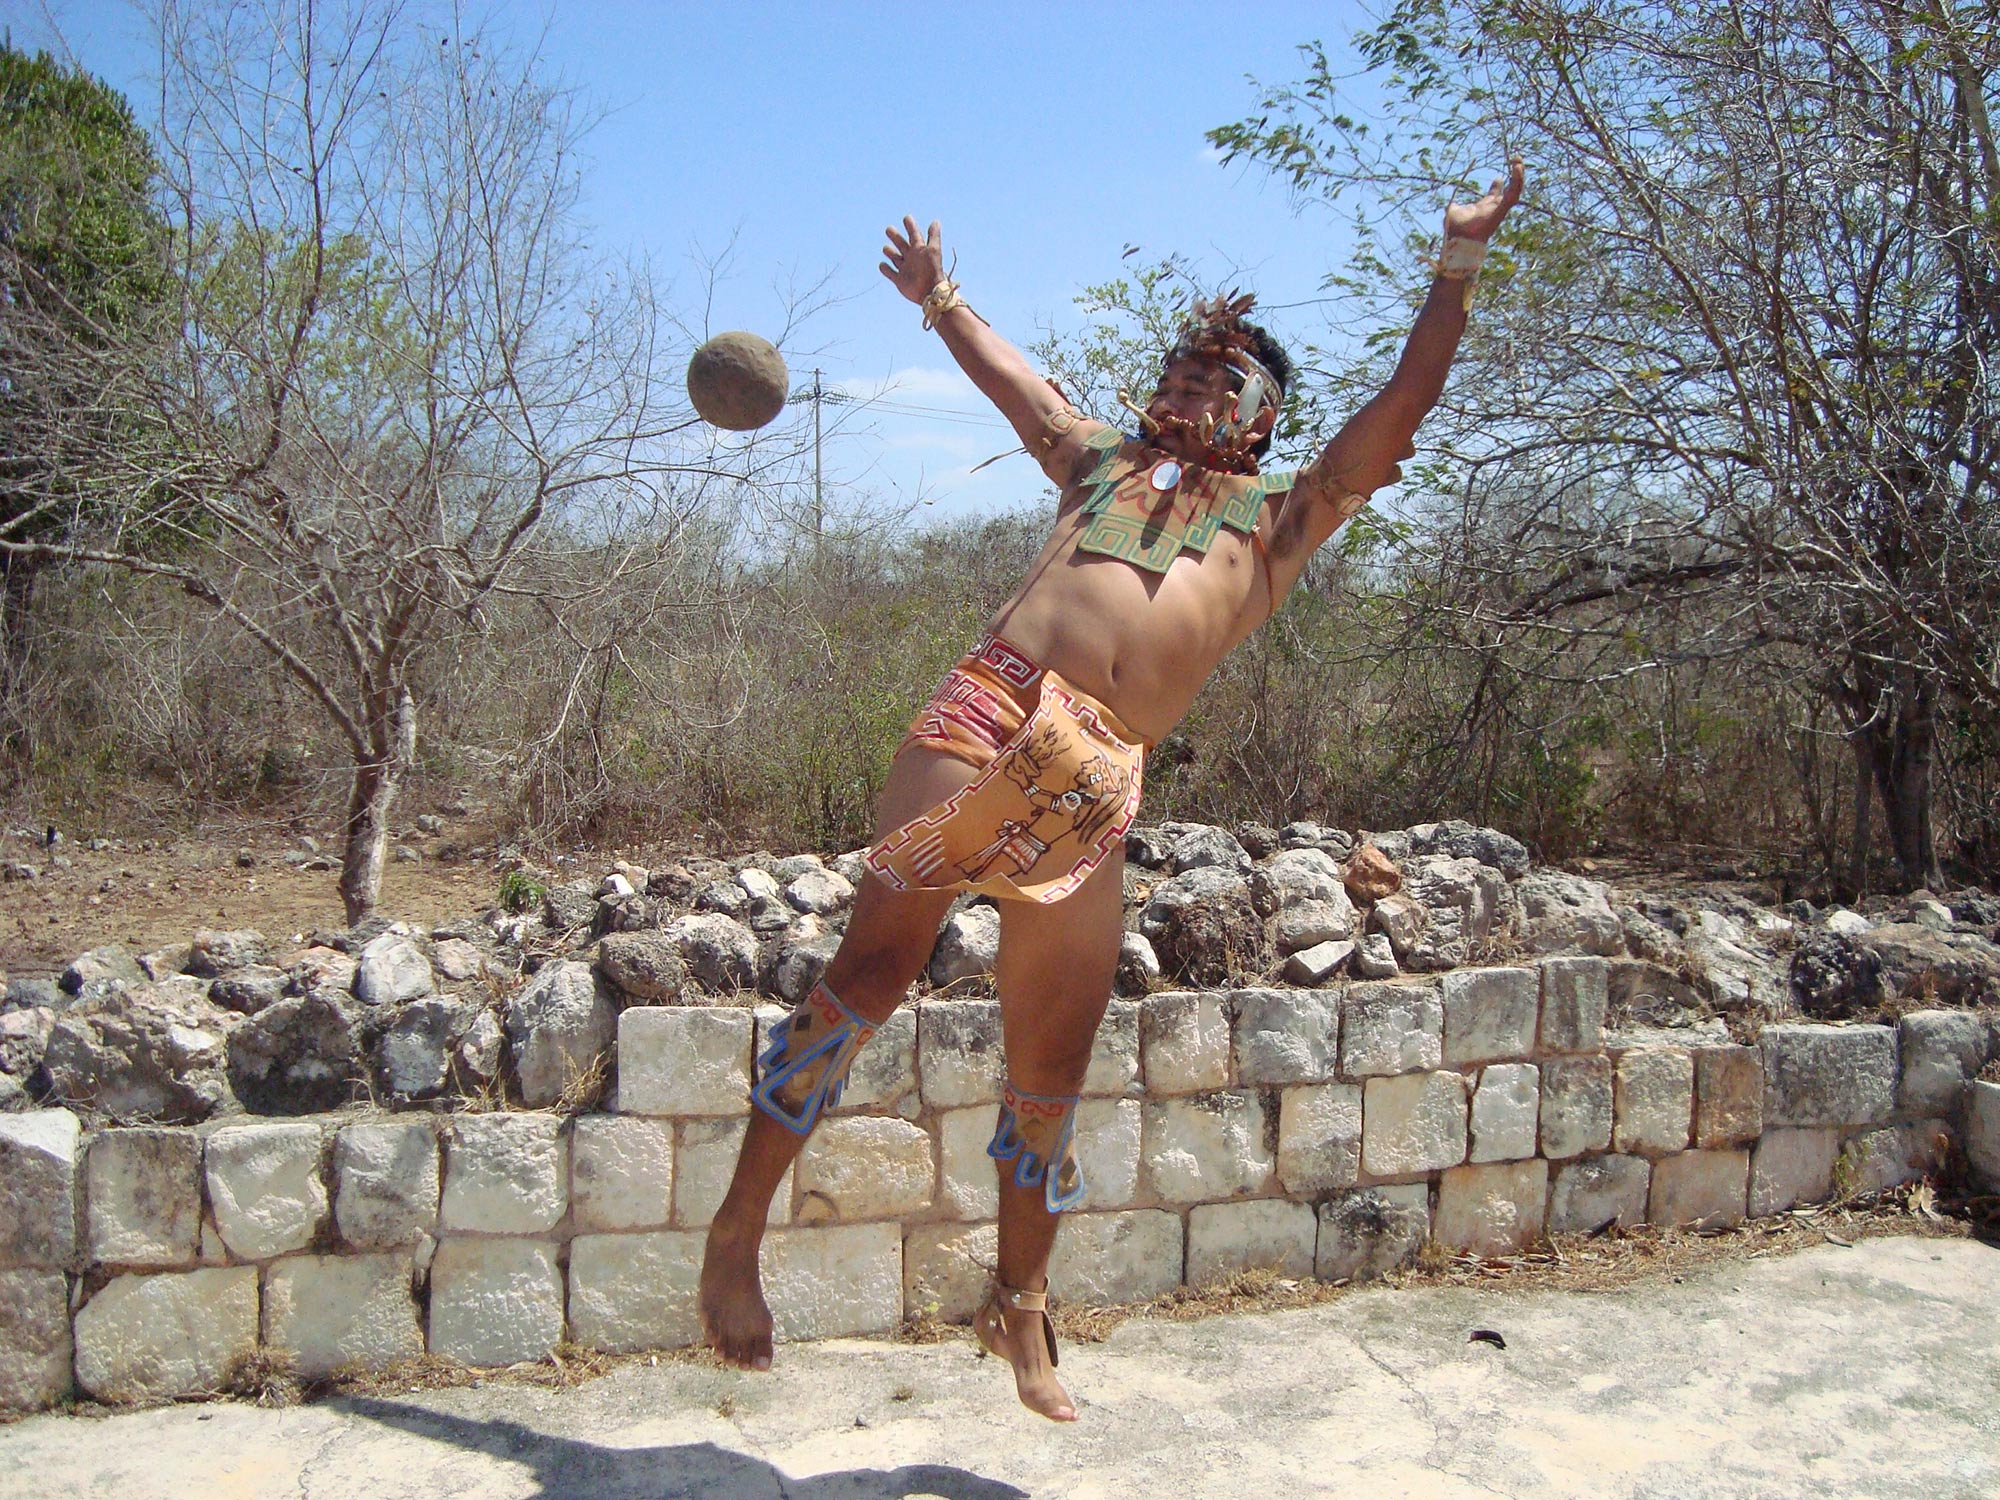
[[734, 1316], [1014, 1325]]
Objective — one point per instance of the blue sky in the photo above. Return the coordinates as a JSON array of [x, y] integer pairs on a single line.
[[1046, 138]]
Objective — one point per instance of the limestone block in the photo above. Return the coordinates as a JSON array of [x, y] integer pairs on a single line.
[[1108, 1136], [1319, 1137], [1576, 993], [1285, 1036], [1654, 1101], [967, 1186], [1374, 958], [385, 1176], [884, 1073], [959, 1060], [1413, 1123], [1391, 1028], [1114, 1051], [1493, 1209], [1506, 1110], [1576, 1105], [1258, 1234], [155, 1338], [865, 1167], [144, 1191], [1940, 1050], [1183, 1043], [495, 1302], [947, 1269], [264, 1185], [505, 1174], [704, 1162], [1489, 1014], [1877, 1160], [35, 1365], [325, 1311], [635, 1291], [39, 1161], [1828, 1075], [1598, 1190], [1131, 1256], [621, 1172], [684, 1060], [1790, 1167], [1371, 1232], [1700, 1189], [1728, 1096], [1319, 963], [1206, 1146], [1982, 1134], [834, 1280]]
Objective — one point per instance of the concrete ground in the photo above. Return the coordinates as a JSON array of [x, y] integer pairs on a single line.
[[1872, 1371]]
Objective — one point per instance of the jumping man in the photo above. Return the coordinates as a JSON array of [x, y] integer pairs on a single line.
[[1021, 776]]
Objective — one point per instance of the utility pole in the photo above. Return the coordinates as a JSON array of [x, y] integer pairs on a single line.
[[819, 395]]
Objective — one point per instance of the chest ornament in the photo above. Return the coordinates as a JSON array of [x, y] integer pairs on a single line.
[[1145, 508]]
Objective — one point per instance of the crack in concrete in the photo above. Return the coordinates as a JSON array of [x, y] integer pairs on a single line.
[[1433, 1458], [319, 1452]]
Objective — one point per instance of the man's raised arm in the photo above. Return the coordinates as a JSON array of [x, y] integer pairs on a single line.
[[1366, 453], [1046, 424]]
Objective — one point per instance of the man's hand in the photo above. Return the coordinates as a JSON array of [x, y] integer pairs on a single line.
[[912, 260], [1472, 221]]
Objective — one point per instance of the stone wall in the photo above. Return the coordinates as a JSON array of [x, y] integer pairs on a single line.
[[1322, 1132]]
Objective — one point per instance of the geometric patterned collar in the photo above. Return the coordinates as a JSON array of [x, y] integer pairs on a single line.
[[1146, 508]]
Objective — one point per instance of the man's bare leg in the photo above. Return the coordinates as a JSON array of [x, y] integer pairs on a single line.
[[888, 941], [1057, 963]]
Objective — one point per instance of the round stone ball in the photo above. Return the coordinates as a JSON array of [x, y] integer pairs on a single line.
[[738, 380]]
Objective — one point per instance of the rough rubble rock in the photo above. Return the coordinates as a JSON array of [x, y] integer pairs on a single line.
[[1374, 958], [1202, 846], [724, 896], [1467, 903], [1259, 840], [571, 907], [968, 946], [413, 1055], [1561, 911], [559, 1025], [392, 969], [1204, 929], [1458, 839], [212, 954], [1312, 922], [1138, 965], [28, 994], [88, 973], [793, 968], [323, 968], [769, 916], [139, 1056], [1371, 875], [1720, 948], [1295, 876], [819, 891], [457, 960], [299, 1056], [481, 1051], [1148, 849], [249, 989], [720, 952], [645, 966], [24, 1038], [1955, 968]]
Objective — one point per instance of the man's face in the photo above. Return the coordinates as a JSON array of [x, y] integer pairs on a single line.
[[1193, 388]]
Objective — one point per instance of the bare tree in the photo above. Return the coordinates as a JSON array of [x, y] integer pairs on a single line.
[[400, 382], [1731, 392]]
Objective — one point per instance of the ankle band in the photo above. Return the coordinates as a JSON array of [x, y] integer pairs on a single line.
[[805, 1066], [1037, 1132]]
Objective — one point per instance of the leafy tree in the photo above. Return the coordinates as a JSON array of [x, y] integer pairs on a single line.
[[83, 283], [1730, 391]]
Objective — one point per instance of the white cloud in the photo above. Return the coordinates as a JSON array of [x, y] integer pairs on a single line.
[[919, 383]]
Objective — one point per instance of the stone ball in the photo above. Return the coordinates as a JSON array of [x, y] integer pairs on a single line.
[[738, 380]]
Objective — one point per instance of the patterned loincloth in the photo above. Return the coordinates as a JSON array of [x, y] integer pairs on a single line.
[[1058, 789]]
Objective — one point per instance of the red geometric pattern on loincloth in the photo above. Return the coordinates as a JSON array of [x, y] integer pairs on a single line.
[[965, 703], [1015, 669]]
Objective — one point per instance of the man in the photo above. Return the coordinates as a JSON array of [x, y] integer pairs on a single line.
[[1022, 774]]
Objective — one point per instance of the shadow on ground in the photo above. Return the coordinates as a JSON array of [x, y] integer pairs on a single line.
[[565, 1467]]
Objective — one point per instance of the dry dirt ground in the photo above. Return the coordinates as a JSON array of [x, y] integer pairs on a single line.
[[149, 891]]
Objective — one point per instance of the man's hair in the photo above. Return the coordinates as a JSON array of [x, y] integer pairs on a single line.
[[1266, 350]]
